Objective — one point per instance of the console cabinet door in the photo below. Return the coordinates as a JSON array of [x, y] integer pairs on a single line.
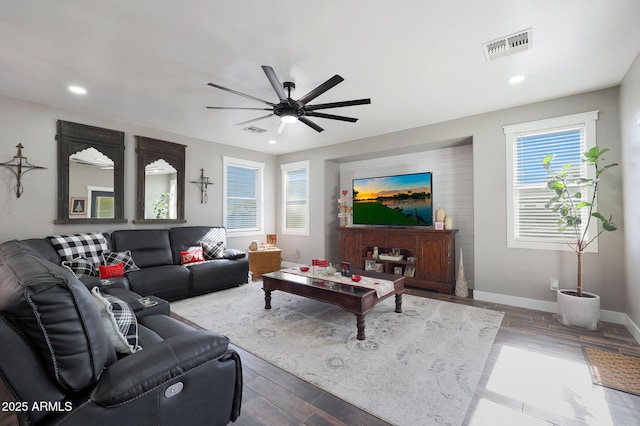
[[432, 258], [350, 248]]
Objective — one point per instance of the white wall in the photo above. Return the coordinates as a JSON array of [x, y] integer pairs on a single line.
[[630, 126], [452, 170], [32, 215], [515, 273]]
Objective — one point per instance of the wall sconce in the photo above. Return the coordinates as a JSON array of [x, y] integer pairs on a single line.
[[203, 182], [19, 166]]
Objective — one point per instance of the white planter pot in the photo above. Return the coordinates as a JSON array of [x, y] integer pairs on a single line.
[[581, 312]]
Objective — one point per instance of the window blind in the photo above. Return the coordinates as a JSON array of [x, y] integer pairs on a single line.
[[532, 220], [243, 198], [295, 178]]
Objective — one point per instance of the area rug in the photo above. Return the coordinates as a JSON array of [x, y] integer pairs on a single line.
[[418, 367], [614, 370]]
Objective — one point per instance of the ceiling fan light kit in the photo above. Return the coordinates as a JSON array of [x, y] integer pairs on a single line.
[[290, 110], [288, 118]]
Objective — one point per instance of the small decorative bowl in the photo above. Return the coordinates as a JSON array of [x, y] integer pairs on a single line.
[[304, 268], [356, 278]]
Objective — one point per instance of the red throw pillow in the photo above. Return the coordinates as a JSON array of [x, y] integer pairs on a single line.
[[194, 254], [108, 271]]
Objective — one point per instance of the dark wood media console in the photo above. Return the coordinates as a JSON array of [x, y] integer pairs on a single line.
[[433, 251]]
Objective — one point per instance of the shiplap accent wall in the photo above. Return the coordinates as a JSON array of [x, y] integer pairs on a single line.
[[452, 170]]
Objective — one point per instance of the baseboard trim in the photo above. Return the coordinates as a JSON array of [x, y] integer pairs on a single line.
[[542, 305], [633, 328], [520, 302]]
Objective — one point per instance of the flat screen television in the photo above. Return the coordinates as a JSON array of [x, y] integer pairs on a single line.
[[398, 200]]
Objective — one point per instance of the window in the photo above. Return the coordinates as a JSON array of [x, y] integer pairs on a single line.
[[295, 200], [243, 188], [529, 223]]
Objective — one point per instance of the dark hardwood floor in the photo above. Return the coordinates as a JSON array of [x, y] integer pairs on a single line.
[[536, 374]]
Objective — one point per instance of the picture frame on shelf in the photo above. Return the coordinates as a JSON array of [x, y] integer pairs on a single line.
[[379, 267], [397, 270], [345, 269], [369, 265], [78, 206], [410, 271]]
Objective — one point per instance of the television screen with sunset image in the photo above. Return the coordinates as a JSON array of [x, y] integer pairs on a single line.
[[399, 200]]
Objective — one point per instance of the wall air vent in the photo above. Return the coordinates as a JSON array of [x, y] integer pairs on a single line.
[[254, 129], [508, 45]]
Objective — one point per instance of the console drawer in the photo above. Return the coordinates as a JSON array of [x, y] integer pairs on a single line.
[[373, 239], [401, 241]]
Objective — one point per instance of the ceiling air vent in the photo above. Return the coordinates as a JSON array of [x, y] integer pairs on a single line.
[[254, 129], [508, 45]]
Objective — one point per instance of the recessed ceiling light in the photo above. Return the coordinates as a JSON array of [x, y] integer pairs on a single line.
[[516, 79], [78, 90], [272, 141]]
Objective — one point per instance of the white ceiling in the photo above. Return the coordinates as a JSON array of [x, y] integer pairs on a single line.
[[420, 61]]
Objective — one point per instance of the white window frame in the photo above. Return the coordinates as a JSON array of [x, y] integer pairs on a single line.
[[285, 170], [587, 121], [259, 167]]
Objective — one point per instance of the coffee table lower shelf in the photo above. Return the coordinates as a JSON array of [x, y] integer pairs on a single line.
[[358, 301]]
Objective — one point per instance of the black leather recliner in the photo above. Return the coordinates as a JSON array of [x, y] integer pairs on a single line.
[[59, 364]]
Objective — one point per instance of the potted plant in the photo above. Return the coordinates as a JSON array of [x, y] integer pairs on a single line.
[[161, 206], [574, 196]]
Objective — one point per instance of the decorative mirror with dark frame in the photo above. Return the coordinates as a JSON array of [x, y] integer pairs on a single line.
[[160, 181], [91, 173]]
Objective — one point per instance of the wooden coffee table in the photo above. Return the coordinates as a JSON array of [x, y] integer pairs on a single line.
[[352, 299]]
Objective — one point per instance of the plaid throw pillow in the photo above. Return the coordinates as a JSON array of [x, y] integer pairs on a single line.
[[115, 257], [90, 246], [212, 250], [81, 267], [215, 236], [119, 322]]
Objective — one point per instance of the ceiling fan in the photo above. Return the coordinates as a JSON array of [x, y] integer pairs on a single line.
[[290, 110]]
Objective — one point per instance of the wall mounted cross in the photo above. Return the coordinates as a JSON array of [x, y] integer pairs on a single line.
[[203, 182], [19, 166]]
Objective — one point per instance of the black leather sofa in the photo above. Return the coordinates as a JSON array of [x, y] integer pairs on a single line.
[[58, 360], [157, 253]]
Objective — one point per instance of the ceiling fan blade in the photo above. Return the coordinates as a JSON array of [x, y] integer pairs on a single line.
[[311, 124], [235, 92], [242, 108], [338, 104], [275, 83], [321, 89], [331, 116], [254, 119]]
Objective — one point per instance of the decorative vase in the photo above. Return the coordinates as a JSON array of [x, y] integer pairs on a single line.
[[581, 312], [462, 290], [330, 270], [448, 223], [440, 214]]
